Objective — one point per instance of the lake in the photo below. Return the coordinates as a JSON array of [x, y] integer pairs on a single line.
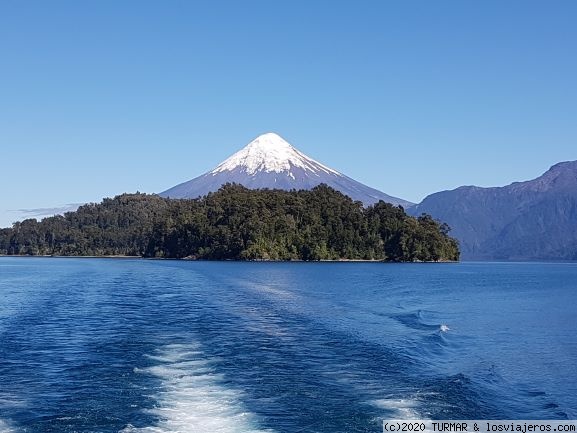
[[105, 345]]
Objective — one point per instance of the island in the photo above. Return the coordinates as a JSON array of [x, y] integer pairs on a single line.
[[237, 223]]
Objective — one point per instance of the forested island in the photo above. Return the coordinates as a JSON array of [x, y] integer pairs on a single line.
[[236, 223]]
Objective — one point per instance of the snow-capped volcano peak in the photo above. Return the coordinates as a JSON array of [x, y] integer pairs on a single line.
[[271, 162], [270, 153]]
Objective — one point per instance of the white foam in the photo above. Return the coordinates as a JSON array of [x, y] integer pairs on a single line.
[[444, 328], [401, 408], [194, 398], [6, 428]]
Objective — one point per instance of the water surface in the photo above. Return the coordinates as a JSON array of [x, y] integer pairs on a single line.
[[97, 345]]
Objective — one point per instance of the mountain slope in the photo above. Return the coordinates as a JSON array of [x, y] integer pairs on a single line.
[[532, 220], [271, 162]]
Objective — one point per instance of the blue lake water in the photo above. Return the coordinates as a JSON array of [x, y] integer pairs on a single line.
[[97, 345]]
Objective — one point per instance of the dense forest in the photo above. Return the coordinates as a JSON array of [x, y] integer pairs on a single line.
[[236, 223]]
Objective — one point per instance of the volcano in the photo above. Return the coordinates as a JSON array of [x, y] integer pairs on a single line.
[[271, 162]]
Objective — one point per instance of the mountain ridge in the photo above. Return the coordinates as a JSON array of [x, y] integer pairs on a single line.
[[528, 220]]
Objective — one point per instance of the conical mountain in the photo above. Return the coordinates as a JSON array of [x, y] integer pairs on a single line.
[[269, 161]]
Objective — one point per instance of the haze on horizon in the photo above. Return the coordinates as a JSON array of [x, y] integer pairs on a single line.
[[104, 98]]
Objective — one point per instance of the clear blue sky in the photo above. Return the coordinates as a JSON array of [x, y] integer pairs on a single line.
[[410, 97]]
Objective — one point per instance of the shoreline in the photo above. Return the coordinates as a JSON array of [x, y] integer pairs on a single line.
[[185, 259]]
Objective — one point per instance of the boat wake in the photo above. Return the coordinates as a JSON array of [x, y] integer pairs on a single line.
[[193, 397], [5, 427]]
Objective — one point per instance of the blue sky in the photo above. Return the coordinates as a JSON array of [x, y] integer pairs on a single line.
[[410, 97]]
